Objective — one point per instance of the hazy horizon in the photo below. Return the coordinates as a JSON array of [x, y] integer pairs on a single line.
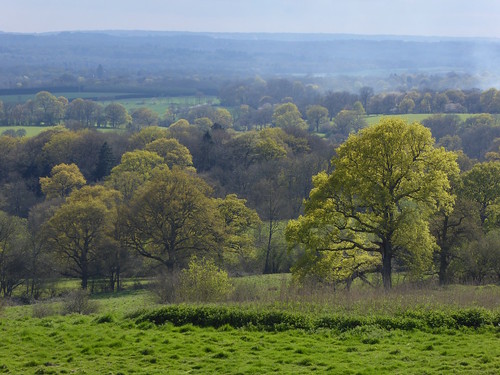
[[446, 18]]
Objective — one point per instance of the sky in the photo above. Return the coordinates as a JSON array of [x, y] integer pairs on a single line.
[[450, 18]]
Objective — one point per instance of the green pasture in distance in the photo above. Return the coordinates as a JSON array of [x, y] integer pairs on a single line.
[[419, 117], [373, 119], [69, 95], [161, 104], [31, 131], [157, 104]]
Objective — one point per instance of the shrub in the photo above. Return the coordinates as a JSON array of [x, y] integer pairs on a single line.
[[203, 281], [41, 310], [165, 287], [106, 318], [277, 320], [472, 317], [78, 302], [219, 316]]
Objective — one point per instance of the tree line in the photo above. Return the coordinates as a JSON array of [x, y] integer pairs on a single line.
[[100, 206]]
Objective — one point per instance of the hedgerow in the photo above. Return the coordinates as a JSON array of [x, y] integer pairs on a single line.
[[276, 320]]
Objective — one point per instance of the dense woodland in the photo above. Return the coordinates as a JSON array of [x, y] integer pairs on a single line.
[[222, 182]]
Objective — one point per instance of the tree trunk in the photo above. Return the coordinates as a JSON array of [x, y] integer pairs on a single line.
[[443, 255], [267, 266], [85, 280], [443, 266], [85, 271], [112, 282], [118, 282], [387, 265], [170, 265]]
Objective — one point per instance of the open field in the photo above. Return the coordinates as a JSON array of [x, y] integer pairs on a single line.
[[157, 104], [69, 95], [31, 131], [119, 339], [161, 104], [103, 344], [419, 117]]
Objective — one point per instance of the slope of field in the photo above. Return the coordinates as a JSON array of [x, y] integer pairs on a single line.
[[101, 345], [37, 339]]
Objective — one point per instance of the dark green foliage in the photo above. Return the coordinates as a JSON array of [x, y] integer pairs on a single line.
[[106, 318], [105, 162], [213, 316], [273, 320]]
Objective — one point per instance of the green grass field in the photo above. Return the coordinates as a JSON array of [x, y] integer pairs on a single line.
[[157, 104], [103, 344], [69, 95], [161, 104], [37, 339], [31, 131], [418, 117]]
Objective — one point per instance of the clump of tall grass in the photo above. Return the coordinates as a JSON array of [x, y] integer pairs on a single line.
[[43, 309], [79, 302], [363, 299]]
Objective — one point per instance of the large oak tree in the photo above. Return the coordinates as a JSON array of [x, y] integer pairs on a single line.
[[172, 217], [387, 180]]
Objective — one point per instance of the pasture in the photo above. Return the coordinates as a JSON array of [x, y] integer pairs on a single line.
[[161, 104], [120, 338], [31, 131], [70, 95], [419, 117]]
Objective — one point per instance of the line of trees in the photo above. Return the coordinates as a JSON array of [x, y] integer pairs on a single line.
[[103, 205], [257, 93], [252, 103]]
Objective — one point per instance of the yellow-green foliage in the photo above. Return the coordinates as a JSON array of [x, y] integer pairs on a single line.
[[63, 179], [203, 281], [387, 180], [135, 169], [172, 152]]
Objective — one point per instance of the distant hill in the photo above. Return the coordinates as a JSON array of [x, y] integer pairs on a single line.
[[38, 57]]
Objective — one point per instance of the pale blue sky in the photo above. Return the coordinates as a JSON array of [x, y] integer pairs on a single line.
[[394, 17]]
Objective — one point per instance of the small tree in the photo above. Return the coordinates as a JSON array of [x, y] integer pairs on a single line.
[[203, 281]]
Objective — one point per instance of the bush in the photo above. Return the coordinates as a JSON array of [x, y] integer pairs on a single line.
[[219, 316], [78, 302], [166, 287], [203, 281], [106, 318], [41, 310], [276, 320]]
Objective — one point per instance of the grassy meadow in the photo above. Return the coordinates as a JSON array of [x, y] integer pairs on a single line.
[[419, 117], [119, 336], [31, 131], [161, 104], [70, 95]]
